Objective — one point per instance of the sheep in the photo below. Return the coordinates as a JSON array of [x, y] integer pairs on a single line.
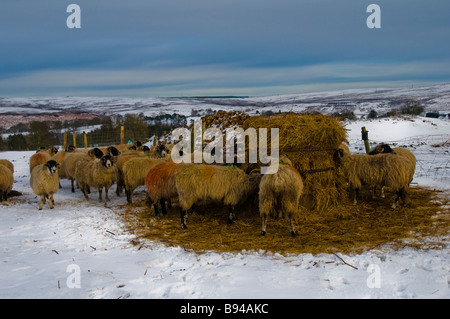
[[378, 170], [8, 164], [160, 151], [279, 193], [400, 151], [42, 156], [134, 172], [160, 183], [6, 181], [100, 173], [227, 184], [68, 165], [44, 181]]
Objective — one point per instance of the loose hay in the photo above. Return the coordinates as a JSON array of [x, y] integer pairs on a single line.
[[344, 228]]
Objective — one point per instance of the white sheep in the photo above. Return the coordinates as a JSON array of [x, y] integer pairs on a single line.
[[44, 181]]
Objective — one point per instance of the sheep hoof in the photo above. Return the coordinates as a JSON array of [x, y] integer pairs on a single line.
[[183, 226], [292, 233], [263, 233]]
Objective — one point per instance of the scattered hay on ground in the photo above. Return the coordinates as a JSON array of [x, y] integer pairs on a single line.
[[345, 228]]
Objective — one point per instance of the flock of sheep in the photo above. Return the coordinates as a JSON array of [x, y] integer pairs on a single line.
[[130, 167]]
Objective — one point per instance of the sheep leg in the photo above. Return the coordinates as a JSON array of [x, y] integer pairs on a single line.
[[106, 195], [231, 216], [51, 202], [264, 223], [100, 189], [291, 226], [399, 194], [129, 195], [355, 196], [41, 205], [169, 203], [84, 189], [183, 215], [163, 206], [72, 184], [156, 208], [148, 201]]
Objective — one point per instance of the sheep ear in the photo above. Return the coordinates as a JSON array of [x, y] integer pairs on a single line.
[[381, 149]]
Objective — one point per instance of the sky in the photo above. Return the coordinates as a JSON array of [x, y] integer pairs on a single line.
[[171, 48]]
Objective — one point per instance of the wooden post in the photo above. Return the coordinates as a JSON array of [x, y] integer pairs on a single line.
[[122, 134], [65, 140], [85, 140], [74, 139], [365, 138]]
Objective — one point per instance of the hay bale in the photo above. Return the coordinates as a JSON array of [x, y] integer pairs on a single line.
[[309, 140]]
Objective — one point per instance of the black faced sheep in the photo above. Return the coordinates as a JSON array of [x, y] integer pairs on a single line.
[[44, 181], [100, 173], [378, 170]]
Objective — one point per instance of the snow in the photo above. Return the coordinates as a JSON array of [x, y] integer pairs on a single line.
[[42, 252]]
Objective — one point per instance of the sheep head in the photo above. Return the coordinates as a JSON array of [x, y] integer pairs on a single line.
[[107, 161], [382, 148], [52, 166]]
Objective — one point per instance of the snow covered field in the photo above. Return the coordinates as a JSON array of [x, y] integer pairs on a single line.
[[81, 249]]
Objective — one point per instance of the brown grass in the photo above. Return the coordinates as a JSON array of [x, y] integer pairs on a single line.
[[344, 228]]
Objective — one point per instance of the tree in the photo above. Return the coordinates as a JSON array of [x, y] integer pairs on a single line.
[[372, 114], [413, 107], [40, 135], [135, 127], [16, 142]]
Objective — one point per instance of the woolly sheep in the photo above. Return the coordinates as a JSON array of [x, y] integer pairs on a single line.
[[68, 165], [400, 151], [227, 184], [160, 183], [279, 193], [44, 181], [160, 151], [100, 173], [42, 156], [8, 164], [6, 182], [378, 170], [134, 172]]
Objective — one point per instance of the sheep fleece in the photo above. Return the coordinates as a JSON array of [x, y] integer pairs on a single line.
[[211, 182], [42, 182], [282, 189]]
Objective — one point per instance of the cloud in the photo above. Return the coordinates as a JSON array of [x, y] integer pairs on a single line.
[[174, 47], [222, 79]]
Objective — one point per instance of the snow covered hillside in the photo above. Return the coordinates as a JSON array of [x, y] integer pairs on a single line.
[[360, 101], [81, 249]]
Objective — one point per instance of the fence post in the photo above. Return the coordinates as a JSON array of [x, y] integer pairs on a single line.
[[85, 140], [74, 139], [65, 140], [122, 134], [365, 138]]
